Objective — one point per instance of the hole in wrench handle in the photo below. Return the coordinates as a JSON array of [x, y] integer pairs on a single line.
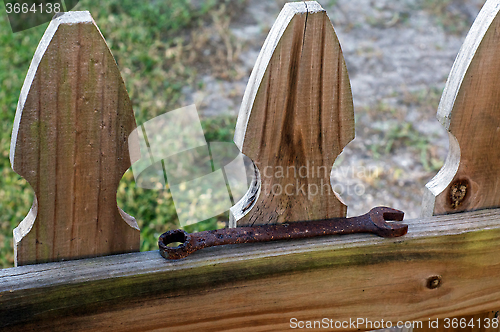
[[374, 222]]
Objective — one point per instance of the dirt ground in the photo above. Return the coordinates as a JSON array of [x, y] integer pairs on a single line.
[[399, 55]]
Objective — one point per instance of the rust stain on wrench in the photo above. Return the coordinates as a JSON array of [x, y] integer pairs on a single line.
[[374, 222]]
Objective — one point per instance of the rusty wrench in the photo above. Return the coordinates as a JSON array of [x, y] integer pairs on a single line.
[[374, 222]]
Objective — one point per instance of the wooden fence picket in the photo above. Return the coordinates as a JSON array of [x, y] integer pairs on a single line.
[[70, 143], [469, 110], [296, 117], [470, 177]]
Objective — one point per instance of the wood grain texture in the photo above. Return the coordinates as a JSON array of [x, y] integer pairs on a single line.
[[69, 142], [295, 119], [259, 287], [469, 110]]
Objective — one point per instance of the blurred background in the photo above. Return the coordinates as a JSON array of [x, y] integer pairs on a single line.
[[178, 52]]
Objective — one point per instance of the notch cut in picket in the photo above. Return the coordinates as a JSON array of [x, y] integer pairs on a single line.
[[295, 119], [69, 142]]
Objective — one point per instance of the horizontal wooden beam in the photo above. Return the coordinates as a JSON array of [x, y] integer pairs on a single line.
[[263, 286]]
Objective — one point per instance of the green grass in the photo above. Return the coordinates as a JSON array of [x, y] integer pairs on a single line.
[[401, 134], [156, 45], [449, 18], [404, 135]]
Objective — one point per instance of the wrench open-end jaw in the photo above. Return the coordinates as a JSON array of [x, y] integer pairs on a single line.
[[374, 222]]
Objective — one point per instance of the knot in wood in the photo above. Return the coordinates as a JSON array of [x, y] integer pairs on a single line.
[[458, 192]]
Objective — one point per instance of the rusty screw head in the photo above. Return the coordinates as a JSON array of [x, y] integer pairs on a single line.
[[434, 282]]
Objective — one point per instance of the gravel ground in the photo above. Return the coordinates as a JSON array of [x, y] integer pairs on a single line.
[[398, 54]]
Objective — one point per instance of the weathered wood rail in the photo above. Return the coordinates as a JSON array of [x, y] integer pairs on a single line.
[[260, 287], [297, 109]]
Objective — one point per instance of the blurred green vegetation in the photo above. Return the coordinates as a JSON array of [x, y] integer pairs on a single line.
[[157, 47], [447, 15]]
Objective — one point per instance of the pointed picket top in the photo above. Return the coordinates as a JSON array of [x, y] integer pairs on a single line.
[[295, 119], [69, 142], [470, 111]]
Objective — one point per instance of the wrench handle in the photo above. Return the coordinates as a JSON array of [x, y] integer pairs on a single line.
[[372, 222]]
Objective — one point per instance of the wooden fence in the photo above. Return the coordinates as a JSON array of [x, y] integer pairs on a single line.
[[70, 143]]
